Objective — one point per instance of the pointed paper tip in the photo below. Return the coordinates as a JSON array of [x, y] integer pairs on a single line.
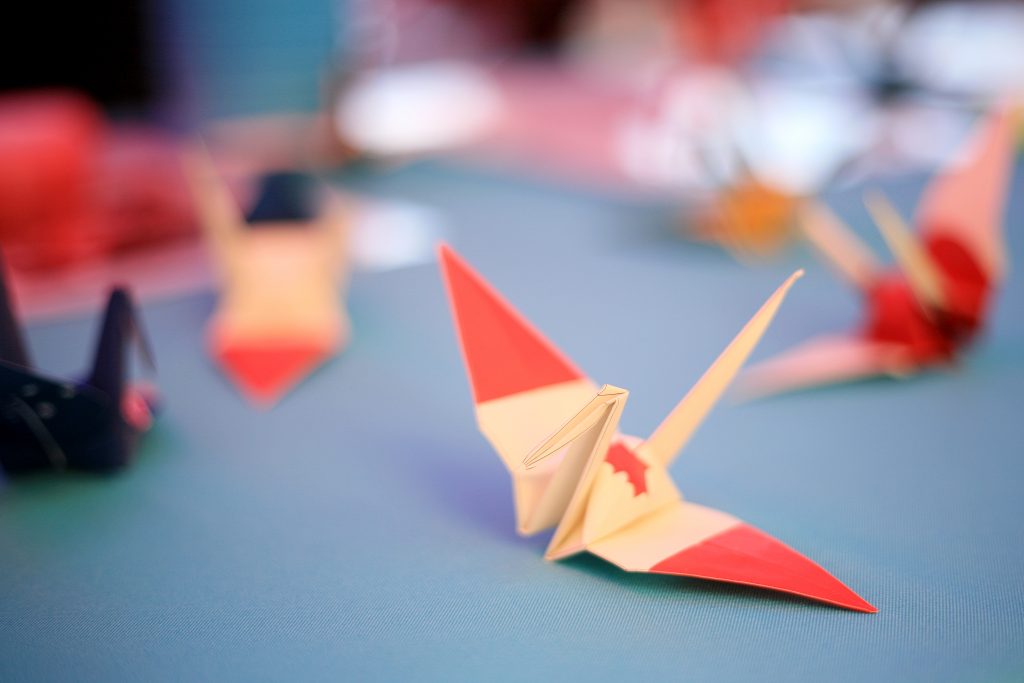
[[504, 354], [265, 371], [784, 288], [745, 555], [120, 299], [12, 344]]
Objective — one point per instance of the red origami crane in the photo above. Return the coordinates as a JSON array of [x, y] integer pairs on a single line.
[[923, 313], [607, 493], [282, 269]]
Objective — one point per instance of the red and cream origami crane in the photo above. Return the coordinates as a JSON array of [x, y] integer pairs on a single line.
[[934, 304], [607, 493], [282, 268]]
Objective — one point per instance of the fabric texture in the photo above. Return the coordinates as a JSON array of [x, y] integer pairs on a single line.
[[363, 529]]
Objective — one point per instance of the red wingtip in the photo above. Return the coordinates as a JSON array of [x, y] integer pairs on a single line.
[[745, 555], [266, 371], [504, 353]]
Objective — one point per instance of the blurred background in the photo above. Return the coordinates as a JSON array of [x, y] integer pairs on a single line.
[[729, 111], [627, 173]]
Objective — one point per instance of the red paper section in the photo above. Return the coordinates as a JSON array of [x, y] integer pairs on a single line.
[[622, 459], [504, 353], [742, 554], [894, 316], [265, 371], [966, 285]]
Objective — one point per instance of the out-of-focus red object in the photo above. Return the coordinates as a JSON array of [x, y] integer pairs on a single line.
[[724, 30], [48, 143], [928, 310], [896, 317], [73, 187]]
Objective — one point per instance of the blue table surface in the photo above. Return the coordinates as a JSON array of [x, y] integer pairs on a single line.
[[363, 529]]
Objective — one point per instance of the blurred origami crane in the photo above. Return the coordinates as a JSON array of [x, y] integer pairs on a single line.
[[282, 269], [92, 424], [607, 493], [929, 309]]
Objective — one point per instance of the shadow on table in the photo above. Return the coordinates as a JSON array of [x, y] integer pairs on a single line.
[[474, 488]]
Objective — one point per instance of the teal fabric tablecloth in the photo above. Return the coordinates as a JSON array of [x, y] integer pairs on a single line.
[[363, 529]]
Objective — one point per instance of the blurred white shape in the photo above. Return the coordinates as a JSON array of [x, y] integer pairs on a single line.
[[827, 48], [972, 48], [391, 234], [927, 136], [709, 129], [418, 108], [796, 139], [686, 143]]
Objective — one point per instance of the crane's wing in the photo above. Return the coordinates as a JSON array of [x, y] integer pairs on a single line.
[[965, 203], [684, 539], [831, 359], [119, 329], [523, 387], [673, 433]]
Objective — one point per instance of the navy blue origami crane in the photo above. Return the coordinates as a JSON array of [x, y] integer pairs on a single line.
[[93, 424]]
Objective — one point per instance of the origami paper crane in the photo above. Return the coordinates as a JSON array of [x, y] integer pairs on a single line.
[[93, 424], [748, 217], [282, 269], [924, 313], [607, 493]]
